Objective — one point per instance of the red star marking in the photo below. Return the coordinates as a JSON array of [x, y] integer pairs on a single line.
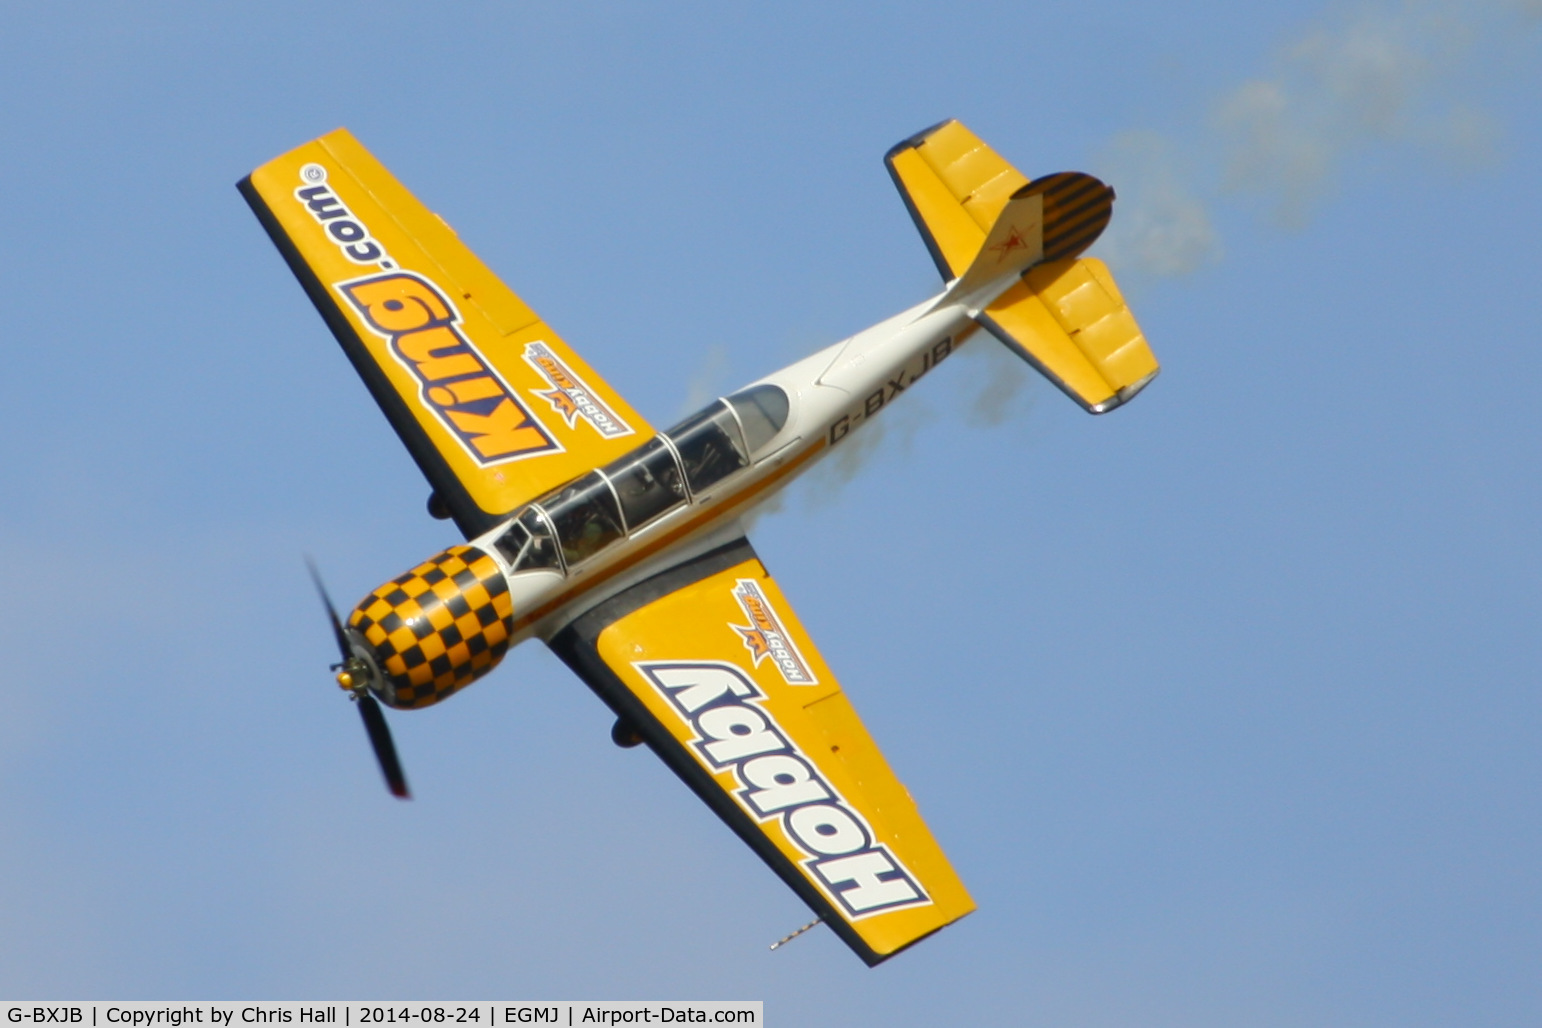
[[1007, 245]]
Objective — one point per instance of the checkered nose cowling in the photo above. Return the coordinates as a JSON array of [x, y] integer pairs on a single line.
[[441, 626]]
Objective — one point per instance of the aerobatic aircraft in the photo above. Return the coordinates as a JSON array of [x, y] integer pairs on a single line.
[[623, 548]]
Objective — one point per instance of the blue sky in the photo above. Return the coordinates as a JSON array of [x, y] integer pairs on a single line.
[[1224, 705]]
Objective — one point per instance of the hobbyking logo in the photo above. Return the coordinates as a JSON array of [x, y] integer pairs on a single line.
[[778, 782], [765, 637], [570, 396], [420, 323], [456, 382], [345, 230]]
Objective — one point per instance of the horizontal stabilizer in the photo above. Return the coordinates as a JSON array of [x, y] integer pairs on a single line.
[[957, 189], [1067, 318], [954, 186]]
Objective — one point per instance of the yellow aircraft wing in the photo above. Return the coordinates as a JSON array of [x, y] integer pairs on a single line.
[[494, 407], [707, 662]]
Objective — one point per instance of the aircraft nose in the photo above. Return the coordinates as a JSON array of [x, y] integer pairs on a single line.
[[437, 628]]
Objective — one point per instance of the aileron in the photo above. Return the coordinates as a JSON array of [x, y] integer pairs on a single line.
[[711, 665], [492, 404], [622, 547]]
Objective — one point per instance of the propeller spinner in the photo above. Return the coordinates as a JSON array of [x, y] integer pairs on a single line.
[[353, 675]]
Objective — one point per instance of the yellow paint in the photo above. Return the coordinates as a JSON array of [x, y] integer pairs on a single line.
[[958, 186], [976, 175], [450, 591], [466, 325], [703, 623], [1069, 317], [952, 229], [1081, 297]]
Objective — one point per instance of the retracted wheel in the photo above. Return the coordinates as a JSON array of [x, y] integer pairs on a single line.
[[624, 734]]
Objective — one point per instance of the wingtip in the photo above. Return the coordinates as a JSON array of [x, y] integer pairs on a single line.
[[1123, 396], [915, 140]]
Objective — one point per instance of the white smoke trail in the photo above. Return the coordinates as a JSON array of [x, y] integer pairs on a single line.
[[1344, 89], [1161, 227], [1341, 90], [1379, 78]]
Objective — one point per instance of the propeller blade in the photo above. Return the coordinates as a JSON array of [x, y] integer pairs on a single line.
[[369, 708], [337, 624], [385, 749]]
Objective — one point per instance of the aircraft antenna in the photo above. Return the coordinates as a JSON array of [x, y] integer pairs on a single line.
[[784, 940]]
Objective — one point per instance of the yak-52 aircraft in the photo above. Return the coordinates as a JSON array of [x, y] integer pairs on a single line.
[[622, 548]]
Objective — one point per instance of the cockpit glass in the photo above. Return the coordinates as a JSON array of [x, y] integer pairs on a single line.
[[585, 515], [710, 446], [647, 482], [528, 544], [762, 411]]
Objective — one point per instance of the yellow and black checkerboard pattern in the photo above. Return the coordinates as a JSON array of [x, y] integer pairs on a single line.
[[439, 627]]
